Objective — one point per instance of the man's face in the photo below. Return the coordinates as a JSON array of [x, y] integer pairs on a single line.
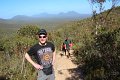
[[42, 38]]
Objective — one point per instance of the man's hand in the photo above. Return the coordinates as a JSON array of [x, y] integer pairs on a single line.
[[37, 66], [53, 63]]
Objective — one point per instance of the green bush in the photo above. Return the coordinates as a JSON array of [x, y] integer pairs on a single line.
[[101, 57]]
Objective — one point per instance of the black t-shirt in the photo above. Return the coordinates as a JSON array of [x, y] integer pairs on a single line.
[[42, 54]]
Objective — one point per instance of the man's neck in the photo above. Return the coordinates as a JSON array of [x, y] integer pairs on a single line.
[[42, 44]]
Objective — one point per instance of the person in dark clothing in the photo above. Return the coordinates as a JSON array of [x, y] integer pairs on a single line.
[[63, 49], [44, 53], [68, 45]]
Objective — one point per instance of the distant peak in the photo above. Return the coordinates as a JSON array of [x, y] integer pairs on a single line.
[[19, 16]]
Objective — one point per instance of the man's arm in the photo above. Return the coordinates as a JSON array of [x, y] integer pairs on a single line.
[[37, 66], [54, 55]]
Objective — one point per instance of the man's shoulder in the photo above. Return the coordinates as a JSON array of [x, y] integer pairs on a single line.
[[35, 45], [50, 43]]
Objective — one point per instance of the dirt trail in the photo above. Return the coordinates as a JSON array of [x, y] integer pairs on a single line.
[[62, 65]]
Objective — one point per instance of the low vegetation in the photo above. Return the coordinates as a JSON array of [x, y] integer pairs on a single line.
[[98, 53]]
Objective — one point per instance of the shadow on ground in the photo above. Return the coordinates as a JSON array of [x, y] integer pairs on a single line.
[[76, 74], [3, 78]]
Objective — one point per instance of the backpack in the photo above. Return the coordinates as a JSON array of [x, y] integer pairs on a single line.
[[68, 43]]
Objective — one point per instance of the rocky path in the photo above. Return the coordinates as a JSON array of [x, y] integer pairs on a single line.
[[62, 67]]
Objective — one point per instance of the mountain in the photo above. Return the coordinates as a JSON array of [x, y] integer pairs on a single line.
[[21, 17], [44, 19], [71, 15]]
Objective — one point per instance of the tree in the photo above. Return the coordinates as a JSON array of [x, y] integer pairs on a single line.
[[28, 31], [97, 6]]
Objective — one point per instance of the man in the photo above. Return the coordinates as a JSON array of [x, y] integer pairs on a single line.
[[44, 53], [68, 46]]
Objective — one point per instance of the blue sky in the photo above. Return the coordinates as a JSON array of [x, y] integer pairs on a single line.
[[10, 8]]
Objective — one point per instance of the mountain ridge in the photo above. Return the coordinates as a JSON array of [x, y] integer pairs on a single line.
[[47, 15], [44, 19]]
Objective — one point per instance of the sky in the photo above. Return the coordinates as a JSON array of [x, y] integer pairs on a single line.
[[11, 8]]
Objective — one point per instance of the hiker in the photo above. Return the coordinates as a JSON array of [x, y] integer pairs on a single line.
[[68, 46], [63, 49], [44, 54]]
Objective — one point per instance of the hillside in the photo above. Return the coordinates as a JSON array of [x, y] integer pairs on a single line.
[[98, 56]]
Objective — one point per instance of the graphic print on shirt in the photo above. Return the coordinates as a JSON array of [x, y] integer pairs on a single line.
[[45, 55]]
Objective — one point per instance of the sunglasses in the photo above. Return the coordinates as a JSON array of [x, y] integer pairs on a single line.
[[42, 36]]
